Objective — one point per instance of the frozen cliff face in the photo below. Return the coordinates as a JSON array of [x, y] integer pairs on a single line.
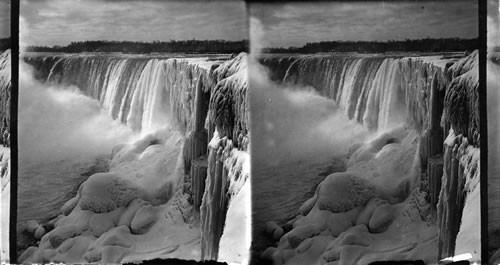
[[461, 102], [229, 102], [5, 87], [459, 202], [228, 171], [228, 158], [460, 181], [493, 105], [214, 107], [5, 98]]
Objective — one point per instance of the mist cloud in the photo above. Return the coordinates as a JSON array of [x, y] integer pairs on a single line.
[[57, 123]]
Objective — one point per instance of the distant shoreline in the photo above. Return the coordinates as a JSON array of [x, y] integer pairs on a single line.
[[130, 47]]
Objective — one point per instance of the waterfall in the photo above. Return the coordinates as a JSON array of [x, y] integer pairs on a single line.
[[132, 90], [378, 92]]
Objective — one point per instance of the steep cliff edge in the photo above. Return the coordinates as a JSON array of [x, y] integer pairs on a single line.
[[228, 158], [459, 233], [404, 192], [164, 201]]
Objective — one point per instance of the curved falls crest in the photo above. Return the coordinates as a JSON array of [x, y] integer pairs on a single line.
[[134, 91], [377, 92]]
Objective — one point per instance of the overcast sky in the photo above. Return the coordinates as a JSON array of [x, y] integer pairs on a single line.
[[58, 22], [4, 18], [294, 24]]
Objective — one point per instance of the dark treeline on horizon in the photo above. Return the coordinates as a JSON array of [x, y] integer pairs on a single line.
[[184, 46], [420, 45], [4, 44]]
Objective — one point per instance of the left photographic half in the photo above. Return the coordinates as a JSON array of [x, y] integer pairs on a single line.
[[5, 88], [133, 131]]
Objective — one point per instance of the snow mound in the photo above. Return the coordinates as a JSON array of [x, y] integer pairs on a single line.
[[104, 192], [368, 213], [341, 192]]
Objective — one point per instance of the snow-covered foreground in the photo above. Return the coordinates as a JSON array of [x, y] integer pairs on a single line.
[[365, 214], [131, 213]]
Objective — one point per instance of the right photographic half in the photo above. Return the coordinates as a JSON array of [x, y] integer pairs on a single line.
[[493, 108], [365, 132]]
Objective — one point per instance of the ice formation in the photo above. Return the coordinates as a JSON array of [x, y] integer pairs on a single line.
[[405, 192], [167, 193], [5, 87], [493, 92], [5, 98]]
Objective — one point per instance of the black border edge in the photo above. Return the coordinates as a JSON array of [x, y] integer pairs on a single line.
[[14, 31], [483, 127]]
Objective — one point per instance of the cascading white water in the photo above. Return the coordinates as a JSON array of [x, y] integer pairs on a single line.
[[132, 90], [369, 89]]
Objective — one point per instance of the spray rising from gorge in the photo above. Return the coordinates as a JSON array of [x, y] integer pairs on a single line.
[[162, 152]]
